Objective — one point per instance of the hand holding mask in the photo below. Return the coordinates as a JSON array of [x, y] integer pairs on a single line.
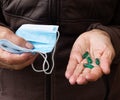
[[42, 37]]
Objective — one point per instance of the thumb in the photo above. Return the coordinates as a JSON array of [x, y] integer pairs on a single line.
[[20, 41], [106, 62], [11, 36]]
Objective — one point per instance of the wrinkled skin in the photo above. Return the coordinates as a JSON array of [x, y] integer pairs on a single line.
[[98, 44], [15, 61]]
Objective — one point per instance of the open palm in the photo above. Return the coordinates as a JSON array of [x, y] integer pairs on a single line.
[[97, 43]]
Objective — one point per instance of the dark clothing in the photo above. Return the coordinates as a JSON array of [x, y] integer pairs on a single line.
[[73, 17]]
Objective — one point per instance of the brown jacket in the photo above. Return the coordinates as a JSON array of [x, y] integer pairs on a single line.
[[73, 17]]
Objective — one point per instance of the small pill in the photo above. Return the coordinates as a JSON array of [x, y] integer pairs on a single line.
[[89, 60], [97, 61], [85, 55], [88, 66]]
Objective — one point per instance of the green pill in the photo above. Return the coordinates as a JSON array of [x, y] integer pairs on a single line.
[[97, 61], [85, 55], [89, 60], [88, 66]]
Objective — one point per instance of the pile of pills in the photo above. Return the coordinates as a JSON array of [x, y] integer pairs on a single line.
[[86, 56]]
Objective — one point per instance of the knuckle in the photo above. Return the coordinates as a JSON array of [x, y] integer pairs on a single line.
[[4, 32]]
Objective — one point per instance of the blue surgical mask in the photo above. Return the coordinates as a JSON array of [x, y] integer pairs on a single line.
[[42, 37]]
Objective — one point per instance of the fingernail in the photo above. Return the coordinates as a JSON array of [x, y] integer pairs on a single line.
[[29, 45], [66, 75], [72, 81]]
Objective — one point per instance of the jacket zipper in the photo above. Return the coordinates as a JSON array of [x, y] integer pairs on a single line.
[[53, 11], [48, 87], [1, 82]]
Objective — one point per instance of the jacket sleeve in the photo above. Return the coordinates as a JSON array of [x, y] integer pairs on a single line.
[[113, 29], [2, 20]]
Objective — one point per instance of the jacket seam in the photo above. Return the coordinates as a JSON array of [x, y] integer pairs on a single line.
[[34, 8], [22, 17], [17, 6], [60, 19], [77, 20]]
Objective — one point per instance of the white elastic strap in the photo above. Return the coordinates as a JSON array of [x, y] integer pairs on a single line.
[[45, 68]]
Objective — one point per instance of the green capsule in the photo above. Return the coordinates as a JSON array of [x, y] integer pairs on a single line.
[[88, 66], [89, 60], [97, 61], [85, 55]]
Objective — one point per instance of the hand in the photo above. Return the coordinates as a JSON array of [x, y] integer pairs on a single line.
[[14, 61], [98, 44]]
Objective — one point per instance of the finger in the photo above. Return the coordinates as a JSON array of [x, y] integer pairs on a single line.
[[95, 74], [10, 58], [20, 41], [17, 66], [24, 64], [75, 58], [106, 60], [9, 35], [76, 73], [82, 78]]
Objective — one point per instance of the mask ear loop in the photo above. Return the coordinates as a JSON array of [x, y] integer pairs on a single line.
[[44, 69]]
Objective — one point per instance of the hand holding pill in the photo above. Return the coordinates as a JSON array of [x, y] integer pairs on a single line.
[[90, 57]]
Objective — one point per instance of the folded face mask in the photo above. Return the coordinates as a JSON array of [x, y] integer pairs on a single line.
[[42, 37]]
